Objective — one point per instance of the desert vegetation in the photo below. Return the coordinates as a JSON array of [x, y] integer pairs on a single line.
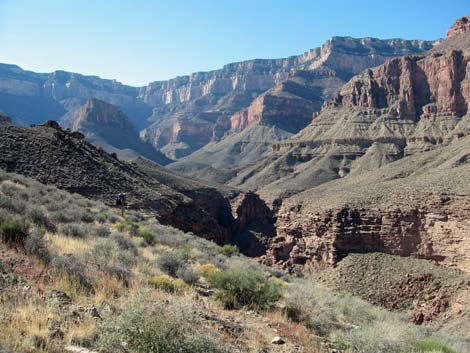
[[74, 273]]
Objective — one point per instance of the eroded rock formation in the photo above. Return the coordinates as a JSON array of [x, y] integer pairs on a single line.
[[383, 165]]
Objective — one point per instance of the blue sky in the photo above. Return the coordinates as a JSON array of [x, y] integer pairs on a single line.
[[137, 41]]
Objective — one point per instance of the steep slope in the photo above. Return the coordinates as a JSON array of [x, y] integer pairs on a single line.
[[290, 106], [56, 156], [384, 166], [62, 158], [407, 105], [244, 213], [106, 126]]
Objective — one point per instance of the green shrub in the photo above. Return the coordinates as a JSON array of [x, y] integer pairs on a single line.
[[171, 261], [12, 203], [36, 245], [107, 256], [71, 266], [77, 230], [229, 250], [161, 328], [188, 274], [125, 243], [101, 231], [433, 345], [324, 312], [14, 232], [385, 336], [245, 287], [166, 235], [147, 235], [166, 283]]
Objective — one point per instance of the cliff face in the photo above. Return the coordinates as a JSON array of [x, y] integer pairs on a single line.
[[430, 233], [405, 106], [198, 105], [384, 166], [294, 92], [289, 106], [461, 26], [106, 126]]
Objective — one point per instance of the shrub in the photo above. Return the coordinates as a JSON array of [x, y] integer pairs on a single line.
[[87, 217], [102, 231], [125, 243], [14, 232], [229, 250], [166, 235], [61, 211], [36, 245], [433, 345], [77, 230], [12, 203], [10, 189], [37, 215], [5, 215], [108, 257], [131, 227], [207, 269], [385, 336], [147, 235], [171, 261], [165, 283], [71, 266], [188, 274], [244, 287], [169, 328], [324, 312]]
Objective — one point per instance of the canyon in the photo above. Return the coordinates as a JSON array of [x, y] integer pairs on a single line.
[[292, 139], [382, 168]]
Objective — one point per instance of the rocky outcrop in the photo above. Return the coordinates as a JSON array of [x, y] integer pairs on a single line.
[[97, 114], [106, 126], [254, 224], [248, 208], [461, 26], [326, 237]]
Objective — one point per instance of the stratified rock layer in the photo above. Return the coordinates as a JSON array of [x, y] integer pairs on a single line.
[[106, 126], [384, 166]]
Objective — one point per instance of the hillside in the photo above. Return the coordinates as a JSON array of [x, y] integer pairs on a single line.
[[70, 163], [81, 278]]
